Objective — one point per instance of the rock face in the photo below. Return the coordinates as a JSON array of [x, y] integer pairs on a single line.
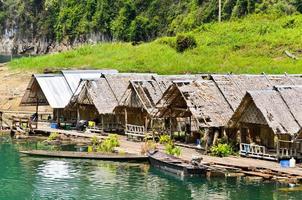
[[13, 43]]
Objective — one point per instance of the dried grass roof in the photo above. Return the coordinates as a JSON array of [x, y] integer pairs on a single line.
[[234, 87], [165, 81], [97, 93], [280, 108], [142, 94], [201, 99], [105, 93]]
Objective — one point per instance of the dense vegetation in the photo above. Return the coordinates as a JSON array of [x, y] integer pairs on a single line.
[[254, 44], [125, 20]]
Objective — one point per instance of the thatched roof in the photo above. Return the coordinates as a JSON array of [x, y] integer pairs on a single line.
[[279, 108], [97, 93], [120, 82], [105, 92], [146, 93], [200, 99], [142, 94], [234, 87], [165, 81], [56, 90]]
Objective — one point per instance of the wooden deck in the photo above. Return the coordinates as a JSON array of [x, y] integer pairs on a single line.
[[244, 163], [232, 161], [69, 133], [85, 155]]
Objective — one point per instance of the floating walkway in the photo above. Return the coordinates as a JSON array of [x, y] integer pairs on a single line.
[[69, 133], [85, 155]]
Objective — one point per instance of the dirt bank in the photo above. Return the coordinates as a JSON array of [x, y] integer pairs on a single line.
[[12, 87]]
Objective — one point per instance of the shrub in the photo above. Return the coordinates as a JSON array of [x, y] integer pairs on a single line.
[[171, 149], [109, 144], [95, 141], [164, 139], [290, 24], [184, 42], [53, 136], [221, 150]]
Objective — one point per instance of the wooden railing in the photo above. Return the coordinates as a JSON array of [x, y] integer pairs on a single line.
[[135, 131], [252, 149], [287, 152]]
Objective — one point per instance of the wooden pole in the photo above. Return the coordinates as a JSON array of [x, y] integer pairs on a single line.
[[78, 114], [37, 111], [216, 135], [170, 122], [126, 117], [58, 116], [102, 120], [250, 136], [190, 128], [277, 146], [1, 119], [206, 138], [146, 123], [239, 135], [219, 11]]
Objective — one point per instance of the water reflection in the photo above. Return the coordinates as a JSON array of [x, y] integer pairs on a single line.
[[23, 177], [55, 169]]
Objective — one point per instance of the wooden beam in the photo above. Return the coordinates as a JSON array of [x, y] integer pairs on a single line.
[[78, 114], [180, 109], [126, 116]]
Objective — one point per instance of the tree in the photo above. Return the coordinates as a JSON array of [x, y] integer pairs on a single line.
[[121, 25]]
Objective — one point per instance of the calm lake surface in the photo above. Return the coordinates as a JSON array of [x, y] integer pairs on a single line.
[[23, 177]]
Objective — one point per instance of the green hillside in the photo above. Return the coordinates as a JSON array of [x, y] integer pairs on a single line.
[[253, 44], [124, 20]]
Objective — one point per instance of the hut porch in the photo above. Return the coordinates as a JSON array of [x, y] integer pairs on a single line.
[[269, 124], [259, 141]]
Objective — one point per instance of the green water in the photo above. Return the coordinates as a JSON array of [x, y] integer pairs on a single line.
[[23, 177]]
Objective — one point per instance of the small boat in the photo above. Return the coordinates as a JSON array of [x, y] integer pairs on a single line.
[[174, 165], [85, 155]]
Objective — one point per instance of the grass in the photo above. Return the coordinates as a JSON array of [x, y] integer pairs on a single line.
[[254, 44]]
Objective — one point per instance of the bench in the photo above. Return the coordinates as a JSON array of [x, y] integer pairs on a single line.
[[133, 131], [255, 151]]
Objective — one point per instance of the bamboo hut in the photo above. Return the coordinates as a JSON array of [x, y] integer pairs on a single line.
[[47, 90], [138, 103], [270, 123], [97, 99], [201, 106], [56, 90]]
